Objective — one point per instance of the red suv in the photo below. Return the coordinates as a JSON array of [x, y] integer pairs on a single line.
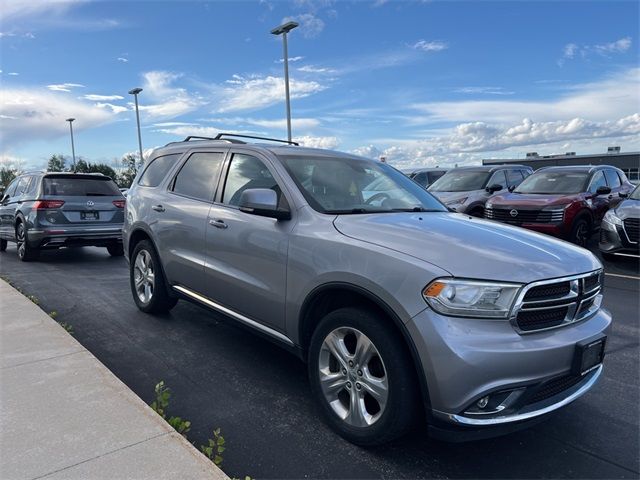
[[566, 202]]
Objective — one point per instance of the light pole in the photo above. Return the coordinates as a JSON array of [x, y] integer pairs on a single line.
[[135, 93], [283, 30], [73, 148]]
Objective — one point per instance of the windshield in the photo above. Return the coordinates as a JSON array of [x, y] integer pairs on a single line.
[[460, 181], [636, 193], [80, 187], [348, 185], [553, 182]]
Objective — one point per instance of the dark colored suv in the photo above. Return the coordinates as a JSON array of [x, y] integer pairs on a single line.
[[566, 202], [52, 210], [425, 176]]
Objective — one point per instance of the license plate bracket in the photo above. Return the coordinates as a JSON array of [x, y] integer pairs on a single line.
[[589, 354], [91, 215]]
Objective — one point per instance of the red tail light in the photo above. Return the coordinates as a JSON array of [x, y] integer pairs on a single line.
[[119, 203], [42, 204]]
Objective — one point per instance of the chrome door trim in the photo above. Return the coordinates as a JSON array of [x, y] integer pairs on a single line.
[[246, 320]]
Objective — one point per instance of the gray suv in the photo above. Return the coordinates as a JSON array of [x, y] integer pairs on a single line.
[[467, 189], [51, 210], [403, 309]]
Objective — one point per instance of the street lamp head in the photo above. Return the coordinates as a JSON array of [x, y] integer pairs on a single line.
[[284, 28], [135, 91], [70, 120]]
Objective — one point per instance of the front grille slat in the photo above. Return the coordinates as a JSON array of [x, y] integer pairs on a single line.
[[555, 303], [524, 216], [554, 387], [632, 228]]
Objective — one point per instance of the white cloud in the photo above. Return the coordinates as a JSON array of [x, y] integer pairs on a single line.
[[310, 25], [122, 59], [197, 130], [64, 87], [618, 46], [13, 74], [317, 142], [368, 151], [291, 59], [172, 101], [112, 107], [298, 123], [573, 50], [254, 92], [432, 46], [484, 90], [102, 98], [14, 9], [36, 114], [314, 69]]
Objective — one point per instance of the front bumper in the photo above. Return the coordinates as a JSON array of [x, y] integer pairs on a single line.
[[613, 239], [465, 360], [74, 236], [554, 229]]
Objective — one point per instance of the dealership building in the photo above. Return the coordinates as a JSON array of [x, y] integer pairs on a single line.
[[629, 163]]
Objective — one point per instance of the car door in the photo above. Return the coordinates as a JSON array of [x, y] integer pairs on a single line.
[[599, 203], [246, 255], [181, 211], [8, 210]]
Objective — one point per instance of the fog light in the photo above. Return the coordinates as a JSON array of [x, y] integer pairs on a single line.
[[483, 402]]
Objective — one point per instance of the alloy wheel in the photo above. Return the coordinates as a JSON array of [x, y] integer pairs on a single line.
[[21, 240], [353, 377], [144, 276], [582, 234]]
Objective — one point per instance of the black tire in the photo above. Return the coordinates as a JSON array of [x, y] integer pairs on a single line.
[[115, 250], [160, 301], [581, 232], [402, 402], [477, 212], [3, 245], [26, 253], [609, 257]]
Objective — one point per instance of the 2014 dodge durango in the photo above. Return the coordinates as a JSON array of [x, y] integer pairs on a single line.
[[406, 313]]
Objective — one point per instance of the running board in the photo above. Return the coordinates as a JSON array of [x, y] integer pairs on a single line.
[[247, 321]]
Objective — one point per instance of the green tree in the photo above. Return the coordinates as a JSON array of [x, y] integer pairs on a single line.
[[82, 166], [7, 175], [56, 163], [129, 171]]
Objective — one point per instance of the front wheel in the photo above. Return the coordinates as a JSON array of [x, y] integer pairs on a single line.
[[26, 253], [581, 232], [362, 376], [148, 285]]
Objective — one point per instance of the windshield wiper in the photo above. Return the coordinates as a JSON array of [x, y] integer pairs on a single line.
[[415, 209]]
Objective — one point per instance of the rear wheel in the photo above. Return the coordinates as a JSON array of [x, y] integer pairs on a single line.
[[362, 376], [26, 253], [115, 250], [148, 285], [3, 245], [581, 232]]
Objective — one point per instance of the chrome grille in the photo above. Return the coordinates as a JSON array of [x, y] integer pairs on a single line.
[[632, 229], [518, 216], [553, 303]]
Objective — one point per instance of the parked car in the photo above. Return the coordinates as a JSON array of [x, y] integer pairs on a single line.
[[398, 305], [424, 176], [620, 227], [467, 189], [51, 210], [566, 202]]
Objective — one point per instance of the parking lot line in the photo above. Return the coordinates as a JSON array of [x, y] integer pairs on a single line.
[[622, 276]]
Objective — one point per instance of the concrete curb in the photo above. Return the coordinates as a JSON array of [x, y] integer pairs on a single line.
[[64, 415]]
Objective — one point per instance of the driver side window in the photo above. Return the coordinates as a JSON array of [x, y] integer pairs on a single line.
[[498, 178], [597, 181], [245, 172]]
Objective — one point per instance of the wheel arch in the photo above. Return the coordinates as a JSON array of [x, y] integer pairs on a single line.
[[333, 295]]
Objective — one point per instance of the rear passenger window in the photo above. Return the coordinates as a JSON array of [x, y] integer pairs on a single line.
[[597, 181], [612, 178], [514, 177], [247, 172], [23, 185], [198, 176], [157, 170]]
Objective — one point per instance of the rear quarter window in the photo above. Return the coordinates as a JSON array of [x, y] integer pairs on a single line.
[[157, 170]]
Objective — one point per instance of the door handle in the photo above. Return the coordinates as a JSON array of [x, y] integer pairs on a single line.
[[158, 208], [218, 223]]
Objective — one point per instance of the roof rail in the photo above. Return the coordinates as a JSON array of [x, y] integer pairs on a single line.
[[195, 137], [220, 135]]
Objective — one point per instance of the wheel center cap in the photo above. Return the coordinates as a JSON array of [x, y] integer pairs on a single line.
[[352, 375]]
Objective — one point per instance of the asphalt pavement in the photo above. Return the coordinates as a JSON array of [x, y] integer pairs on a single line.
[[258, 394]]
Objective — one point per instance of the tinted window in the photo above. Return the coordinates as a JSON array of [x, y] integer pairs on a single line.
[[498, 178], [11, 188], [514, 177], [422, 179], [612, 178], [198, 177], [344, 185], [597, 181], [551, 182], [157, 170], [247, 172], [433, 176], [79, 186], [460, 181], [525, 173], [23, 185]]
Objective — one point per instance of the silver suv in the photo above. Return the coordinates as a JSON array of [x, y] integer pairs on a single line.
[[402, 309], [45, 210]]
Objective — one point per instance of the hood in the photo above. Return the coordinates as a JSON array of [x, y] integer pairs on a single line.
[[533, 200], [451, 197], [470, 247], [630, 208]]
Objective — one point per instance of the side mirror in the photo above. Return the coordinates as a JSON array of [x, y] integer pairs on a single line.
[[512, 188], [603, 190], [623, 194], [494, 188], [262, 202]]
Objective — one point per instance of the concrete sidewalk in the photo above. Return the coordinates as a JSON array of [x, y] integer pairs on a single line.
[[64, 415]]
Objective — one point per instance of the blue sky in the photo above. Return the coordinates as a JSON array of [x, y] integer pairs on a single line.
[[421, 83]]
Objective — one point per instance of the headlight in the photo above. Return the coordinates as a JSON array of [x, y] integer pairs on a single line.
[[612, 218], [468, 298], [456, 202]]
